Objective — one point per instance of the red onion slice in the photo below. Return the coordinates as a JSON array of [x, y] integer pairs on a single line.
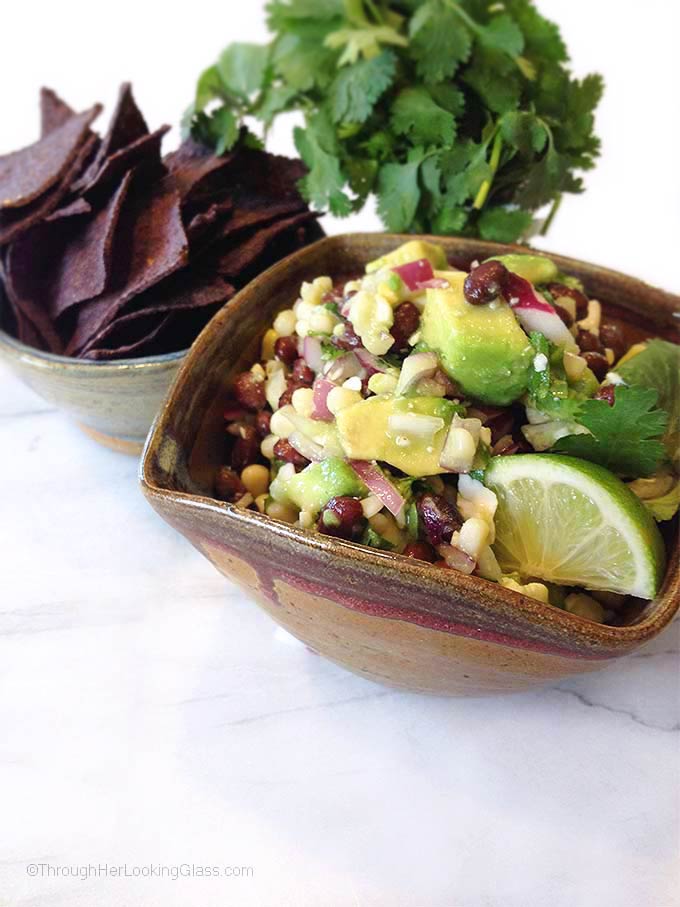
[[311, 352], [322, 388], [370, 362], [415, 273], [307, 447], [535, 313], [457, 559], [372, 477], [347, 366]]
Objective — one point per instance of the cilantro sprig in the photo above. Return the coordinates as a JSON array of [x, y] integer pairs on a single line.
[[624, 437], [460, 115]]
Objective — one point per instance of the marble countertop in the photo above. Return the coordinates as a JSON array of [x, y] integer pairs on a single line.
[[156, 724]]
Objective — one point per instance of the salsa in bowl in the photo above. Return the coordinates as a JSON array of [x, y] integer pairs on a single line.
[[399, 620], [485, 420]]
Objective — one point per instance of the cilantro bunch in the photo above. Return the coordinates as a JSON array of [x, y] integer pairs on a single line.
[[460, 115]]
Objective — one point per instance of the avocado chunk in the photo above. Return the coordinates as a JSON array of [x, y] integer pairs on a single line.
[[536, 269], [410, 251], [312, 489], [406, 432], [482, 347]]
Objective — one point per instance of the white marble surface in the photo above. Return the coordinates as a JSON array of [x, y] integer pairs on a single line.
[[151, 715]]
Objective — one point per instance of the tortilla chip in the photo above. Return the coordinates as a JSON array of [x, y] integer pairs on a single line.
[[13, 222], [132, 340], [126, 127], [34, 325], [59, 265], [201, 225], [237, 259], [145, 152], [79, 206], [53, 111], [182, 291], [153, 245], [196, 173], [28, 174]]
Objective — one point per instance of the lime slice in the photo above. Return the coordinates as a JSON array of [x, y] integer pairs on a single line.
[[573, 523]]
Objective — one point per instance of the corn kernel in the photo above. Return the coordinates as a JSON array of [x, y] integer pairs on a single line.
[[474, 537], [284, 323], [382, 383], [280, 511], [584, 606], [303, 401], [255, 479], [280, 425], [267, 446], [261, 502], [321, 321], [268, 342]]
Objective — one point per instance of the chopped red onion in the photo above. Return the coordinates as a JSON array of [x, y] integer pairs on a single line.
[[322, 388], [534, 312], [307, 447], [345, 367], [457, 559], [373, 478], [415, 273], [437, 283], [311, 353], [370, 362], [416, 367]]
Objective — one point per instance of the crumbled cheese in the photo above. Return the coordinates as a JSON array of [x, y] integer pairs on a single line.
[[540, 362]]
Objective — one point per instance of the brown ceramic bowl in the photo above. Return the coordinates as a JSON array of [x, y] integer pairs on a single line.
[[393, 620], [113, 402]]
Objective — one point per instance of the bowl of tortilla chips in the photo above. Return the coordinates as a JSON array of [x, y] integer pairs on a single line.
[[113, 257]]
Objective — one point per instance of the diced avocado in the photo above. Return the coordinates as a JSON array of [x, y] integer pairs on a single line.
[[410, 251], [482, 348], [312, 489], [406, 432], [536, 269]]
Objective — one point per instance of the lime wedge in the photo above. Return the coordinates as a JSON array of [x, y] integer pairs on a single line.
[[573, 523]]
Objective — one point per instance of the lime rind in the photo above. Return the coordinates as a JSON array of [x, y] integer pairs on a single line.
[[573, 523]]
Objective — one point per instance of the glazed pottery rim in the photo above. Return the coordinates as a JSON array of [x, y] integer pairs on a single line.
[[665, 605], [40, 357]]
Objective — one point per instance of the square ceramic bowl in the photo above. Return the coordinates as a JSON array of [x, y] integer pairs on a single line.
[[393, 620]]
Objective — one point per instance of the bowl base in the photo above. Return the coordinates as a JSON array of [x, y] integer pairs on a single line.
[[129, 446]]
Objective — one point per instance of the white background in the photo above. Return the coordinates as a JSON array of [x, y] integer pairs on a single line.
[[150, 713], [629, 218]]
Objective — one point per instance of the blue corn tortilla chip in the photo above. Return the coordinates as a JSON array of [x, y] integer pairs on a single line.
[[59, 265], [187, 290], [144, 153], [153, 246], [15, 221], [28, 174], [132, 338], [53, 111]]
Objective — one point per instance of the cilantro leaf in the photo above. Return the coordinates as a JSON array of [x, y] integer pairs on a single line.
[[502, 33], [460, 115], [416, 114], [624, 437], [242, 68], [439, 40], [504, 224], [399, 193], [324, 183], [355, 89], [524, 131]]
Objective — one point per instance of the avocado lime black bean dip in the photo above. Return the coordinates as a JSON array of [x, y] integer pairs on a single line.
[[468, 419]]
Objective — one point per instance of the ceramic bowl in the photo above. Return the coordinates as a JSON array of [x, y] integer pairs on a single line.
[[393, 620], [113, 402]]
